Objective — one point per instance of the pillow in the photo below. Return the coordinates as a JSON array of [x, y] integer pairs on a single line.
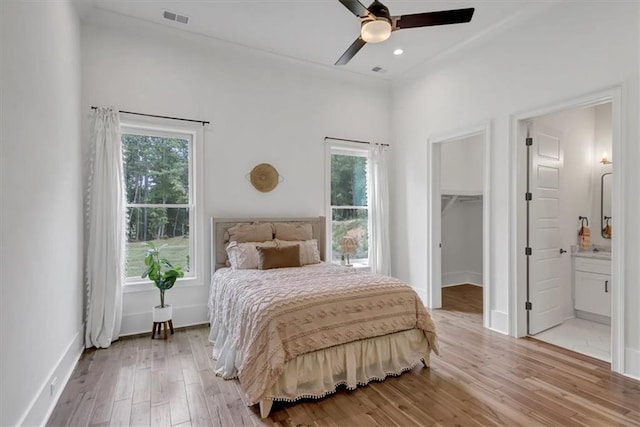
[[293, 232], [256, 232], [309, 253], [245, 255], [278, 257]]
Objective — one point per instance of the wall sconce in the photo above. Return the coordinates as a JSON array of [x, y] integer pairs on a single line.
[[605, 159]]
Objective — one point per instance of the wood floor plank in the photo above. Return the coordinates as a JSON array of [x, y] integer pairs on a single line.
[[178, 403], [121, 415], [197, 405], [161, 415], [218, 412], [142, 386], [174, 368], [480, 378], [106, 390], [141, 414], [159, 388], [124, 387], [82, 414]]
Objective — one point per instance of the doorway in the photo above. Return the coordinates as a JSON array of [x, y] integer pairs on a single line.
[[561, 181], [569, 261], [458, 221]]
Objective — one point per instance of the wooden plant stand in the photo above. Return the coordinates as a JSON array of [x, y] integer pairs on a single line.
[[158, 325]]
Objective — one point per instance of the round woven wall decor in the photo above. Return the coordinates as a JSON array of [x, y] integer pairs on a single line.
[[264, 177]]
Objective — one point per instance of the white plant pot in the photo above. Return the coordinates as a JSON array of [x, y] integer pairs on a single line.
[[162, 314]]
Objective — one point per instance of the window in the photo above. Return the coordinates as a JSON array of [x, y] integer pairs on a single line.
[[158, 169], [349, 206]]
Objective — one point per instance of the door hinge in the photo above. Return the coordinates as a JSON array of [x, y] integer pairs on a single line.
[[528, 141], [528, 196], [528, 251], [527, 305]]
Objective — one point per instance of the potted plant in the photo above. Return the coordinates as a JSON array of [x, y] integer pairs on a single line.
[[164, 275]]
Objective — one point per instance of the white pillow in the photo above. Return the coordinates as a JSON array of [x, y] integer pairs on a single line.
[[309, 253], [244, 256]]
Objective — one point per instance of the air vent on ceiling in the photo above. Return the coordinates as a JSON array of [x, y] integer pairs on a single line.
[[175, 17], [378, 70]]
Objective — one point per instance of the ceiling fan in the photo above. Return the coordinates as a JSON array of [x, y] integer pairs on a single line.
[[377, 24]]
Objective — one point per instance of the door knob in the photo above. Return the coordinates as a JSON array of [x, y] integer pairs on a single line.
[[562, 251]]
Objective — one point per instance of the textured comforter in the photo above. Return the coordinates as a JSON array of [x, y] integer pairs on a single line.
[[271, 316]]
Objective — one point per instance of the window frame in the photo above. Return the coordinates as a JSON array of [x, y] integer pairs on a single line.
[[194, 136], [343, 149]]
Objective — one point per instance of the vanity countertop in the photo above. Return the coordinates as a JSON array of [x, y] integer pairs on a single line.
[[591, 254]]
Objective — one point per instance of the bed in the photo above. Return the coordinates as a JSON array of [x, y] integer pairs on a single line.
[[300, 332]]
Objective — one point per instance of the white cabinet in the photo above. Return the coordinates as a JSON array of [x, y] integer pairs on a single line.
[[592, 286]]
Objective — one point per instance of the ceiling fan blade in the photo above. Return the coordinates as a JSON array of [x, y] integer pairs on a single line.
[[351, 51], [355, 7], [428, 19]]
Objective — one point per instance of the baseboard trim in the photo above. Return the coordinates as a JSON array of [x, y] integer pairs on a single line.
[[140, 323], [632, 363], [43, 403], [499, 322], [461, 277], [462, 283], [592, 317]]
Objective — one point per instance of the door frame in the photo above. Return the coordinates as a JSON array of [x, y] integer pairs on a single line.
[[517, 223], [434, 216]]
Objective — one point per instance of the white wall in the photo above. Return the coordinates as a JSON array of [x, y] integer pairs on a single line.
[[262, 108], [462, 243], [562, 53], [603, 141], [577, 130], [461, 169], [42, 280], [461, 172]]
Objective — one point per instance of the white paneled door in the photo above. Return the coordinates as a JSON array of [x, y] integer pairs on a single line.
[[544, 230]]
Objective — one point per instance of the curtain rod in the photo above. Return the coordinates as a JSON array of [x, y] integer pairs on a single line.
[[355, 140], [160, 117]]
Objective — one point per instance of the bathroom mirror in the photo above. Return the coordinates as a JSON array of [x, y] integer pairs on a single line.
[[605, 205]]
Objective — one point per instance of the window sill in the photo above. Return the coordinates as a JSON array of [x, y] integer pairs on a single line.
[[147, 286], [355, 266]]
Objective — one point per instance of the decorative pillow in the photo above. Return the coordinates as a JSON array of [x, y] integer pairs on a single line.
[[245, 255], [278, 257], [256, 232], [309, 253], [293, 232]]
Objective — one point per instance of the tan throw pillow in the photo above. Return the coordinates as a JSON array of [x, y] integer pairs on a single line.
[[309, 253], [245, 255], [278, 257], [257, 232], [293, 232]]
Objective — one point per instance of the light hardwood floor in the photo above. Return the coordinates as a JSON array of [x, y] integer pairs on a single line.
[[480, 378]]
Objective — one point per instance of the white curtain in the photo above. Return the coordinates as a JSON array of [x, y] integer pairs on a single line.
[[379, 247], [106, 238]]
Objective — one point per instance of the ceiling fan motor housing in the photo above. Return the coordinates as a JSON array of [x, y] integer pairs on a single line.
[[380, 11]]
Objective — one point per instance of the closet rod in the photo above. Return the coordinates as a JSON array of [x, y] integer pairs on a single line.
[[354, 140], [160, 117]]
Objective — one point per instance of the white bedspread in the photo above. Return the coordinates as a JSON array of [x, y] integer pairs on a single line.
[[261, 319]]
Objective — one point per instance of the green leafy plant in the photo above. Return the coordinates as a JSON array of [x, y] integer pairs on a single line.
[[160, 270]]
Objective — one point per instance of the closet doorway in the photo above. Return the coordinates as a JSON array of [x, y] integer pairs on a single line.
[[458, 216]]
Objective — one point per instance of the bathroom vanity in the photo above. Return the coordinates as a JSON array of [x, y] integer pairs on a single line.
[[592, 285]]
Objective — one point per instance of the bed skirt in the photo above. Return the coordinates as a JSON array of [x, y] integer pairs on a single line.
[[319, 373]]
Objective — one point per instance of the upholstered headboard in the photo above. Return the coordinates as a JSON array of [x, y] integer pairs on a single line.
[[220, 225]]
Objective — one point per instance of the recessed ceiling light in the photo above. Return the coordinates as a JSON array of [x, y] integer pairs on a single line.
[[398, 52]]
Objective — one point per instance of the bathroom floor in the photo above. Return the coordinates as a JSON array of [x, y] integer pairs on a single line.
[[581, 336]]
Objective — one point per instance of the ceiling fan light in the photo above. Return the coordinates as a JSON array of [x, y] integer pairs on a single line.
[[375, 31]]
